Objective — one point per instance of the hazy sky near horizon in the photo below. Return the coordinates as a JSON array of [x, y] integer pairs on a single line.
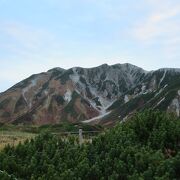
[[37, 35]]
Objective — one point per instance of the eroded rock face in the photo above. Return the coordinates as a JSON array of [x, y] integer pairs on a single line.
[[79, 94]]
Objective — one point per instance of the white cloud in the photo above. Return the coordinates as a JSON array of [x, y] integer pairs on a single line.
[[26, 37], [160, 28], [161, 22]]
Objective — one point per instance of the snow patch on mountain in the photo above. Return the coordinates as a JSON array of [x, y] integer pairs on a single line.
[[93, 104], [75, 77], [96, 118], [160, 101], [68, 95], [176, 104], [161, 80], [25, 90], [23, 94], [159, 92], [47, 102], [179, 92], [126, 98], [143, 88], [104, 102], [46, 92]]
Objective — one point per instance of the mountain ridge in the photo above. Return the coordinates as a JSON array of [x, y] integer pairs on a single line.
[[79, 94]]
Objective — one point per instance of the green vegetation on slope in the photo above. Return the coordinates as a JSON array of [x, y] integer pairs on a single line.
[[52, 128], [13, 137], [145, 147]]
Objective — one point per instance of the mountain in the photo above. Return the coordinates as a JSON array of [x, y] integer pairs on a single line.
[[102, 94], [158, 90]]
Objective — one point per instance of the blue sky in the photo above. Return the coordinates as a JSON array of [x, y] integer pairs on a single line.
[[36, 35]]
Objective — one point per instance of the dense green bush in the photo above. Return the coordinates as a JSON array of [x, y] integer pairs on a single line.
[[145, 147]]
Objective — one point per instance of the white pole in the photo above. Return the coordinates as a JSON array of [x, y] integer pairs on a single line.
[[80, 137]]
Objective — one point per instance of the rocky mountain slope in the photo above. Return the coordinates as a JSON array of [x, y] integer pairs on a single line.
[[158, 90], [102, 94]]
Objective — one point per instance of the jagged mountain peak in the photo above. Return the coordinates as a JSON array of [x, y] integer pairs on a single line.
[[56, 69], [105, 65], [128, 66]]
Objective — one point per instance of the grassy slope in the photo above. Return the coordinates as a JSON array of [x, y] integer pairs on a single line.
[[12, 135]]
